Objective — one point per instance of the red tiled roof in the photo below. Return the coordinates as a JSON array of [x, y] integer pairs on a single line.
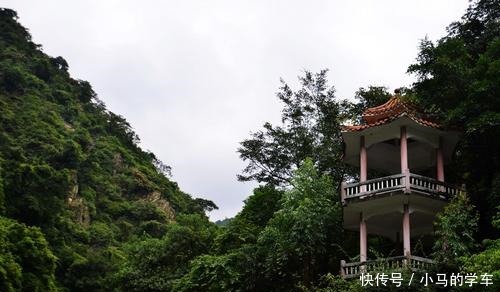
[[389, 111]]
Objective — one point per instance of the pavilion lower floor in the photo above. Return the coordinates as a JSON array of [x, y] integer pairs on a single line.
[[403, 241]]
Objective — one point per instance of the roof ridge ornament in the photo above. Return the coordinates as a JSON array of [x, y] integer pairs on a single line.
[[393, 109]]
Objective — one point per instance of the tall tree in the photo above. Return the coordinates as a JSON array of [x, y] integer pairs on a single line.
[[311, 122], [455, 230], [459, 81], [299, 241], [366, 97]]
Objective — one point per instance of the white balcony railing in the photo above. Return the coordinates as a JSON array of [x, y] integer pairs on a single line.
[[405, 182], [414, 263]]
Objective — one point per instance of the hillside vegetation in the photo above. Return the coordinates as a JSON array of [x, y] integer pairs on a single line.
[[73, 172]]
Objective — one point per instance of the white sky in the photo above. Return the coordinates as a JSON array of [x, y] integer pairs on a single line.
[[194, 78]]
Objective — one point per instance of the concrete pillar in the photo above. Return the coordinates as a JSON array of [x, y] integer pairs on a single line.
[[440, 161], [404, 150], [363, 251], [362, 160], [406, 230], [342, 192]]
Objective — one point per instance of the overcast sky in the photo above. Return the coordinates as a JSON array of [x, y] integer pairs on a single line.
[[194, 78]]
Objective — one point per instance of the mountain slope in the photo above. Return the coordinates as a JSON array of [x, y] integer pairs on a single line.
[[74, 169]]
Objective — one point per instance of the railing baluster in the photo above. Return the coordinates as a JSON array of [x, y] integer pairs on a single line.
[[420, 183], [351, 270]]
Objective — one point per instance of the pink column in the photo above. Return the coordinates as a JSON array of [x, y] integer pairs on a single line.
[[440, 161], [406, 230], [362, 238], [404, 160], [362, 223], [342, 192], [362, 160], [404, 151]]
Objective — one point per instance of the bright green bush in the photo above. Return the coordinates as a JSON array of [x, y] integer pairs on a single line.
[[26, 261]]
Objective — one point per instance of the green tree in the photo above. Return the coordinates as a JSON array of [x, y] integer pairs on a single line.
[[233, 271], [2, 194], [245, 227], [458, 82], [299, 242], [486, 261], [366, 97], [26, 261], [311, 122], [334, 283], [155, 264], [455, 230], [260, 206]]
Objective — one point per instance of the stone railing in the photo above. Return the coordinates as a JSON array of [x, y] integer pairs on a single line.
[[406, 182], [430, 185], [414, 263]]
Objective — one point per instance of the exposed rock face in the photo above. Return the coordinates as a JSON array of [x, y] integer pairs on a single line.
[[69, 127], [77, 204], [117, 163], [156, 199]]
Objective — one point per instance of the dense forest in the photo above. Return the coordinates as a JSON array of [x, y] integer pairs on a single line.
[[84, 208]]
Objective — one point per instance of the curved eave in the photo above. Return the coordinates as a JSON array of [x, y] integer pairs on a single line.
[[391, 130]]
